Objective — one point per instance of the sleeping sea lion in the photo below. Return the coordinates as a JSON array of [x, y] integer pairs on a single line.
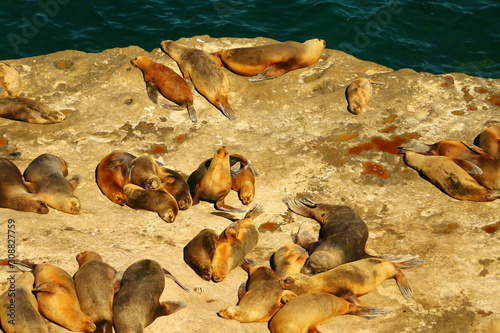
[[358, 94], [28, 110], [489, 140], [111, 175], [289, 260], [174, 183], [244, 181], [158, 200], [143, 172], [198, 253]]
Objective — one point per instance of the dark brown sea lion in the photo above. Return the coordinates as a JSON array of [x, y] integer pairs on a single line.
[[111, 175], [143, 172], [158, 200], [244, 181], [28, 110], [174, 183], [198, 253]]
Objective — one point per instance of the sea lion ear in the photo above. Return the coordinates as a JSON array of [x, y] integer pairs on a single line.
[[232, 230]]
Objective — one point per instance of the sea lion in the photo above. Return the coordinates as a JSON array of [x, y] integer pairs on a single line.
[[212, 180], [94, 285], [136, 305], [358, 94], [243, 182], [289, 260], [28, 110], [235, 243], [174, 183], [198, 253], [143, 172], [158, 200], [343, 234], [160, 78], [450, 178], [262, 297], [19, 308], [272, 60], [305, 312], [14, 194], [204, 72], [489, 140], [10, 81], [46, 177], [111, 175]]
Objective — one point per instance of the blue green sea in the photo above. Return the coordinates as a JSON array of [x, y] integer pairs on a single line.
[[431, 36]]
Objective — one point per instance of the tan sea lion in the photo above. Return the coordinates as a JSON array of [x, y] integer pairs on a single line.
[[269, 61], [243, 182], [489, 140], [450, 178], [160, 78], [46, 177], [198, 253], [14, 194], [262, 297], [111, 175], [174, 183], [235, 243], [304, 313], [159, 201], [358, 94], [28, 110], [19, 308], [212, 180], [288, 260], [94, 285], [204, 72], [143, 172], [354, 279], [136, 305], [10, 81]]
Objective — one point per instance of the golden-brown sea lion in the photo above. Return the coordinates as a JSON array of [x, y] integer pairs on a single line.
[[244, 181], [143, 172], [111, 175], [358, 94], [19, 308], [10, 81], [262, 297], [450, 178], [235, 243], [353, 279], [171, 85], [136, 305], [305, 312], [13, 192], [28, 110], [94, 285], [46, 177], [198, 253], [204, 72], [174, 183], [288, 260], [271, 60], [159, 201], [212, 180], [489, 140]]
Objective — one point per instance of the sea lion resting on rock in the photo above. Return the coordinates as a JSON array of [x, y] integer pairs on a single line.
[[111, 175], [14, 193], [174, 183], [10, 81], [272, 60], [158, 200], [358, 94], [143, 172], [160, 78], [28, 110], [199, 252], [489, 140], [46, 177], [244, 181], [288, 260]]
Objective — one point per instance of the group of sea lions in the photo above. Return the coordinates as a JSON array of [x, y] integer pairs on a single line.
[[96, 299]]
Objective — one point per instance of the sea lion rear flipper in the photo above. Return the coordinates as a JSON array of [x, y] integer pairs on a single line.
[[172, 107], [220, 205], [170, 307], [401, 260], [404, 285], [170, 276], [367, 312], [192, 113], [46, 287], [227, 110], [300, 206], [254, 212], [471, 168], [152, 91]]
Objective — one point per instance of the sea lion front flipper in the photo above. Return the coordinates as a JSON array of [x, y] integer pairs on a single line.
[[403, 284], [367, 312], [192, 113], [46, 287], [471, 168], [242, 290], [262, 75], [170, 276], [152, 91], [227, 110], [170, 307], [417, 148], [74, 181], [172, 107]]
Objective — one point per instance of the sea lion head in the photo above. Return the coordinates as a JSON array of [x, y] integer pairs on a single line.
[[294, 283], [320, 261], [230, 313]]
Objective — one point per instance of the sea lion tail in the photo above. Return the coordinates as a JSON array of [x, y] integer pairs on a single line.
[[22, 265], [254, 212], [402, 261], [227, 110], [368, 312]]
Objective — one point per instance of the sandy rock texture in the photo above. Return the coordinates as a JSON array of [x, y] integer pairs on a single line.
[[300, 137]]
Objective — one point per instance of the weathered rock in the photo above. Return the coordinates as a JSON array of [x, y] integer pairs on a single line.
[[297, 132]]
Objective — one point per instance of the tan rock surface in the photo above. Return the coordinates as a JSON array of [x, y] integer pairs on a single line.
[[297, 132]]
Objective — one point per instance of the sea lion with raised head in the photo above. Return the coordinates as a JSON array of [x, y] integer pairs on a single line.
[[358, 94], [244, 181], [204, 72], [288, 260], [111, 175], [199, 252], [46, 177], [162, 79]]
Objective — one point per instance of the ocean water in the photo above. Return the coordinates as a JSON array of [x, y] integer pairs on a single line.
[[431, 36]]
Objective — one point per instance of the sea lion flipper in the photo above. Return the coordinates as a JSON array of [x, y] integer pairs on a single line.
[[471, 168], [152, 91], [74, 181], [404, 285], [170, 276], [262, 75], [170, 307], [232, 230], [31, 186], [117, 281], [47, 287], [287, 295], [192, 113], [172, 107], [478, 150], [227, 110], [242, 290], [220, 205], [368, 312]]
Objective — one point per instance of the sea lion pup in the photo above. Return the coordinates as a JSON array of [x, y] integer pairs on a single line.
[[159, 201], [353, 279], [450, 178], [288, 260], [269, 61], [204, 72], [304, 313], [262, 296], [198, 253], [358, 94], [235, 243], [94, 285], [10, 81], [212, 181], [14, 194], [143, 172], [174, 183], [489, 140], [21, 305], [56, 295], [160, 78], [244, 181], [111, 175], [136, 305], [483, 167], [343, 234], [28, 110], [46, 177]]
